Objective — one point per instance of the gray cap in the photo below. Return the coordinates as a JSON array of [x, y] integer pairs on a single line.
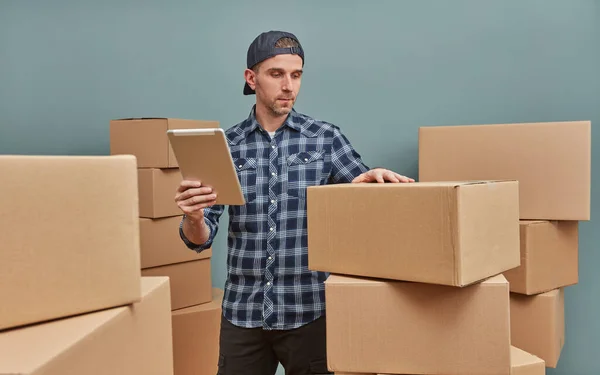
[[263, 47]]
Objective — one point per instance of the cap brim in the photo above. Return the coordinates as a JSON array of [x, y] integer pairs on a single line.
[[248, 90]]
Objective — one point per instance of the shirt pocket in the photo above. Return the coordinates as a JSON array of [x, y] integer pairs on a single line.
[[247, 170], [304, 169]]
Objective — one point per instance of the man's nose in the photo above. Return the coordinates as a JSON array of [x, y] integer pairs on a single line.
[[287, 83]]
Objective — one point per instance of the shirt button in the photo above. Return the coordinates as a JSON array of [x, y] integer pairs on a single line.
[[268, 283], [272, 201], [240, 166], [271, 229], [270, 258], [273, 174], [273, 147], [305, 159]]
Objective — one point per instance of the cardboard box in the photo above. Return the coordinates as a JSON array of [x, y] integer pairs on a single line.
[[450, 233], [133, 339], [191, 282], [538, 324], [551, 161], [157, 189], [70, 236], [146, 138], [521, 363], [395, 327], [161, 244], [549, 257], [196, 332]]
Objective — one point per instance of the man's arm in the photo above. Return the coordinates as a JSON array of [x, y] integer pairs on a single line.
[[348, 166], [198, 235], [200, 221], [346, 162]]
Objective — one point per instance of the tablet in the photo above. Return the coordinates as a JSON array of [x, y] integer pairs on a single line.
[[203, 155]]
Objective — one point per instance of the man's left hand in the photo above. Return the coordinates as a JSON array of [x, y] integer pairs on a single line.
[[381, 175]]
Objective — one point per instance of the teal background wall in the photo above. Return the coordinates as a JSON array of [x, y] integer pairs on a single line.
[[379, 69]]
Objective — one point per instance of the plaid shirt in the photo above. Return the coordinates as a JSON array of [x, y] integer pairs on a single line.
[[269, 284]]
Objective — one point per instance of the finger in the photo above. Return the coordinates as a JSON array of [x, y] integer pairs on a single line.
[[358, 179], [391, 177], [197, 199], [403, 178], [379, 178], [205, 190], [201, 206], [186, 184]]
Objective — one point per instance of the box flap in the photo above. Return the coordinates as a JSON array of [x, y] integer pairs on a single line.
[[498, 279], [532, 222], [519, 358]]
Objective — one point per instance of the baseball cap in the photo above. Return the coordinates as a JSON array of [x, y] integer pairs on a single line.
[[263, 47]]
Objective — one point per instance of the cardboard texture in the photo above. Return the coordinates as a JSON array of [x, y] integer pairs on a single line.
[[70, 236], [521, 363], [531, 153], [157, 189], [538, 324], [146, 139], [134, 339], [161, 244], [395, 327], [191, 282], [549, 257], [449, 233], [196, 333]]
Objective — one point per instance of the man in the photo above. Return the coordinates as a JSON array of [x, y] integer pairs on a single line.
[[274, 307]]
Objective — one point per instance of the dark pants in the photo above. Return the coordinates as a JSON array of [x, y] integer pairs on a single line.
[[254, 351]]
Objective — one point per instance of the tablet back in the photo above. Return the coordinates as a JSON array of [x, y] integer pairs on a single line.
[[203, 155]]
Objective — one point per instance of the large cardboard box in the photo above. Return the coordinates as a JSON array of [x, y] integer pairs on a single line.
[[161, 243], [157, 189], [191, 282], [549, 257], [69, 232], [450, 233], [521, 363], [146, 138], [538, 324], [196, 332], [395, 327], [133, 339], [551, 161]]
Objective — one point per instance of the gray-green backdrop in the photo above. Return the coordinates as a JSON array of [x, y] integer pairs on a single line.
[[378, 69]]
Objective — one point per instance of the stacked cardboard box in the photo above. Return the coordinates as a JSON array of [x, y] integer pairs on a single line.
[[416, 284], [73, 298], [195, 305], [552, 162], [426, 276]]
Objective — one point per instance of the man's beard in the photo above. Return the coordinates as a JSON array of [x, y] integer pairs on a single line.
[[279, 110]]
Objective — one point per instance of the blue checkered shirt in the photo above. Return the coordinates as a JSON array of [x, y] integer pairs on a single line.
[[268, 282]]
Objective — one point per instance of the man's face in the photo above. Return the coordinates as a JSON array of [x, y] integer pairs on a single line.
[[277, 83]]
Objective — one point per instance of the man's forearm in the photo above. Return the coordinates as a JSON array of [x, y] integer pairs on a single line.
[[196, 231]]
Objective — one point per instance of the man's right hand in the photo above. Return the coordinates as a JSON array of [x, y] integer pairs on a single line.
[[192, 198]]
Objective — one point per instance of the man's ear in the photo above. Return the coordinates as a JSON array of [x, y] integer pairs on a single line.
[[250, 76]]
